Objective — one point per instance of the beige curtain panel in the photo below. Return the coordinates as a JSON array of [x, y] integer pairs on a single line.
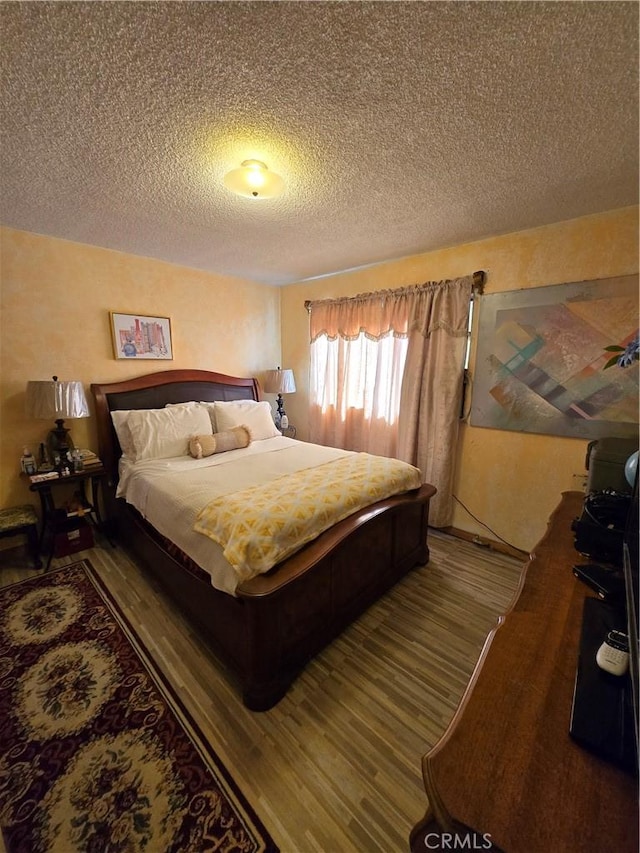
[[432, 388]]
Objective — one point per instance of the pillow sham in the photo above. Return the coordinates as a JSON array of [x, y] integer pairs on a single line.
[[211, 408], [256, 416], [206, 405], [119, 420], [231, 439], [162, 433]]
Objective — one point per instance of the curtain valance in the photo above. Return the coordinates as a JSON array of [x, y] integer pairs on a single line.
[[423, 307]]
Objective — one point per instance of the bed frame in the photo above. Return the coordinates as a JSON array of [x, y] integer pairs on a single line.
[[276, 622]]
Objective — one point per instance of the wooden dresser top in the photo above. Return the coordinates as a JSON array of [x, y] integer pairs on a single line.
[[507, 764]]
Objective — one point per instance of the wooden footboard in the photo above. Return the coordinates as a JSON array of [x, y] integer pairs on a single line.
[[297, 609], [279, 621]]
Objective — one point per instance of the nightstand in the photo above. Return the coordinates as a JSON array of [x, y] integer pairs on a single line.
[[68, 528], [289, 431]]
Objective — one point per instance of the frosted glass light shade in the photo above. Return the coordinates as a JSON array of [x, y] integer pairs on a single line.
[[279, 382], [254, 180], [56, 400]]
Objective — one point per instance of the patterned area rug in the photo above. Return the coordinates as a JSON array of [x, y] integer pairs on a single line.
[[96, 751]]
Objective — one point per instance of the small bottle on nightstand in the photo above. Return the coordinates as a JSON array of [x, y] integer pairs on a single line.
[[28, 462], [77, 462], [284, 422]]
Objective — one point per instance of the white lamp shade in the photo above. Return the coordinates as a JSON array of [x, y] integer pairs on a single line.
[[56, 400], [279, 382]]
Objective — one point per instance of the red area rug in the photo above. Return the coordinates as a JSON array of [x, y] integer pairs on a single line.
[[97, 753]]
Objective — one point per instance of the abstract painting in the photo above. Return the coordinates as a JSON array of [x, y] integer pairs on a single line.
[[540, 361]]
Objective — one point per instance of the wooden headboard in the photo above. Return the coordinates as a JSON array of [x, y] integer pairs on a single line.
[[154, 391]]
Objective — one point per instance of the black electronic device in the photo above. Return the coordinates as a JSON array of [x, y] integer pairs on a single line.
[[631, 570], [606, 706], [607, 583], [602, 717], [599, 532]]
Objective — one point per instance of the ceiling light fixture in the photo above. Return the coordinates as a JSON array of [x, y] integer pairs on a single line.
[[254, 180]]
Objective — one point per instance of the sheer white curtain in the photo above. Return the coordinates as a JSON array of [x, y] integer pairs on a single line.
[[355, 393], [358, 350]]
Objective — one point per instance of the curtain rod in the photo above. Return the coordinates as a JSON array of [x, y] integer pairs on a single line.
[[479, 278]]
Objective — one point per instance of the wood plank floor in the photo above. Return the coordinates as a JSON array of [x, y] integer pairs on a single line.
[[335, 766]]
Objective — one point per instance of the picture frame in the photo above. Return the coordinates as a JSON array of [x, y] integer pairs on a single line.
[[542, 354], [141, 336]]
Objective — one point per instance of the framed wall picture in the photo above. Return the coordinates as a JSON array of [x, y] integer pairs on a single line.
[[541, 360], [140, 336]]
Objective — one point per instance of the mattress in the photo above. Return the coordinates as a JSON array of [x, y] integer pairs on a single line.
[[170, 493]]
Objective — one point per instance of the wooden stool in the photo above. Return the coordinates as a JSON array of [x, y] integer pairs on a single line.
[[22, 519]]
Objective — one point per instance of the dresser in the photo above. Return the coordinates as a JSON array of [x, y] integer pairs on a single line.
[[507, 769]]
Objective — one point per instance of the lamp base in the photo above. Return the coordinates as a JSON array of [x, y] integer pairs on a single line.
[[59, 443], [280, 413]]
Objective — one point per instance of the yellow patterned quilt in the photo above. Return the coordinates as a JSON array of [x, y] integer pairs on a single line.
[[262, 525]]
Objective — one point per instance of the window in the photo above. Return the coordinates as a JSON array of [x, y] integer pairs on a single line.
[[361, 348], [361, 374]]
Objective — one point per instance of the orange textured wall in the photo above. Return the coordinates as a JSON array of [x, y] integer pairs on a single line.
[[56, 297], [510, 481]]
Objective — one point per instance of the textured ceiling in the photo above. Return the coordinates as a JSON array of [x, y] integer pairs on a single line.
[[399, 127]]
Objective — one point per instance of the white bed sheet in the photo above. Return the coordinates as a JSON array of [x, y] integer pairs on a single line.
[[169, 493]]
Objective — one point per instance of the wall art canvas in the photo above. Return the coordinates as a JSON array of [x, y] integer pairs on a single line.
[[540, 361], [139, 336]]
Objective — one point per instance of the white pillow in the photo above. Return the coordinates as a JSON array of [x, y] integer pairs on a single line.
[[162, 433], [211, 408], [256, 416], [208, 406], [123, 432]]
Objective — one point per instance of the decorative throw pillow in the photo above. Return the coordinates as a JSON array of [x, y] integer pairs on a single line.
[[231, 439], [256, 416]]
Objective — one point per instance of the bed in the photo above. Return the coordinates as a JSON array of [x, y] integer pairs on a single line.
[[268, 626]]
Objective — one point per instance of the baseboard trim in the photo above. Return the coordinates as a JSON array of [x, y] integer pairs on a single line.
[[483, 542]]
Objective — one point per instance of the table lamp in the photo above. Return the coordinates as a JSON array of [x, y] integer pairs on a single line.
[[57, 400], [280, 382]]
